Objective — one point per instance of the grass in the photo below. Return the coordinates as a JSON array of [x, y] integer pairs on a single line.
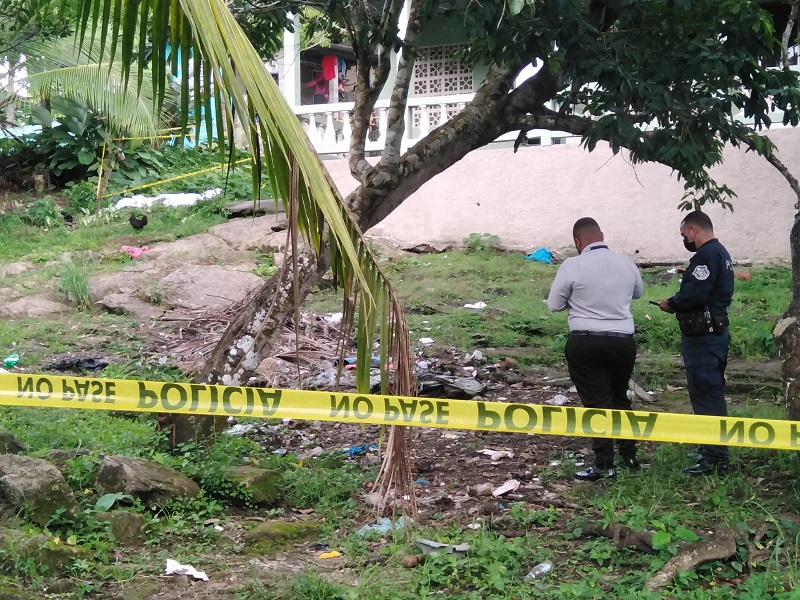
[[434, 288]]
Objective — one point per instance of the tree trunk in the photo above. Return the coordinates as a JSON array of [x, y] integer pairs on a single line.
[[787, 333], [246, 340]]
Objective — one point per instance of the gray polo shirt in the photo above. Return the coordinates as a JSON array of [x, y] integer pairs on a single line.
[[596, 288]]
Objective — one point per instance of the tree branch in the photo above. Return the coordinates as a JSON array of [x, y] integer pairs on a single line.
[[787, 33], [395, 116], [367, 91]]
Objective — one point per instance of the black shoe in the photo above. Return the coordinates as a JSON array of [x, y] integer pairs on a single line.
[[704, 468], [631, 464], [695, 454], [595, 474]]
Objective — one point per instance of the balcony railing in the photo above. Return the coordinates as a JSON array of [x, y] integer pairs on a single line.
[[330, 130]]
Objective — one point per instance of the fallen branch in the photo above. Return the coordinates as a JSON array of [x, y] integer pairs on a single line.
[[722, 545], [624, 536]]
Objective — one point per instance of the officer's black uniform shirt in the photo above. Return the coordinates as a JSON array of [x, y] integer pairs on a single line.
[[708, 281]]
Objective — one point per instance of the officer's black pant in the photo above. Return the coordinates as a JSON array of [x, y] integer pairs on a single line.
[[705, 358], [601, 367]]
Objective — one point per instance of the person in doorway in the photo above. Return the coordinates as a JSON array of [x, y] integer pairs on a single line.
[[701, 307], [596, 288]]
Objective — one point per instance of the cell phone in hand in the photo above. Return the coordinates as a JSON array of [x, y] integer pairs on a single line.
[[653, 302]]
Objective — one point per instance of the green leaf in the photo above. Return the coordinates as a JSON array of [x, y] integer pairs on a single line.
[[685, 535], [515, 7], [661, 539], [86, 157], [106, 502]]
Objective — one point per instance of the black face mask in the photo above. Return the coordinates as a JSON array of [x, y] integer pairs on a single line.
[[690, 246]]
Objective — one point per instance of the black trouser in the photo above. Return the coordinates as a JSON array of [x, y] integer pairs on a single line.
[[705, 358], [601, 367]]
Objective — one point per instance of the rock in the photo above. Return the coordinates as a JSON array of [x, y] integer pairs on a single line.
[[146, 479], [35, 486], [131, 305], [9, 592], [426, 248], [139, 588], [93, 342], [262, 483], [273, 534], [61, 586], [59, 458], [10, 445], [200, 248], [16, 268], [412, 561], [251, 234], [248, 207], [130, 280], [56, 556], [128, 527], [39, 305], [211, 286]]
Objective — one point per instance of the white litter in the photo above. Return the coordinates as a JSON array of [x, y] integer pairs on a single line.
[[496, 454], [240, 429], [572, 390], [219, 528], [477, 305], [426, 341], [140, 201], [558, 400], [512, 485], [175, 568], [334, 319]]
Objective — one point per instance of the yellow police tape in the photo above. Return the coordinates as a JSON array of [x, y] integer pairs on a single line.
[[200, 399]]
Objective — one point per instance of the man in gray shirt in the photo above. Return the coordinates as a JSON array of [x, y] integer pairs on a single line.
[[596, 288]]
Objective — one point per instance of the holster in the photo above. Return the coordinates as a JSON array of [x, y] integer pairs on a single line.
[[701, 322]]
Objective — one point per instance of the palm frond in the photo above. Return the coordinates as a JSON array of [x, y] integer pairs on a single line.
[[205, 32]]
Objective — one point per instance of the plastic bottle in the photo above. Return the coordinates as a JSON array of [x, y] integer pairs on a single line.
[[540, 570], [11, 361]]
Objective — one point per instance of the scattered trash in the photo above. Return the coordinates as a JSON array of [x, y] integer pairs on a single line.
[[476, 356], [356, 450], [411, 561], [69, 364], [449, 386], [240, 429], [176, 199], [428, 546], [318, 546], [673, 271], [11, 361], [134, 251], [3, 371], [477, 305], [674, 388], [280, 451], [422, 482], [572, 390], [540, 570], [331, 554], [542, 255], [475, 526], [383, 526], [496, 454], [219, 528], [558, 400], [482, 489], [426, 340], [175, 568], [512, 485], [743, 276], [334, 318]]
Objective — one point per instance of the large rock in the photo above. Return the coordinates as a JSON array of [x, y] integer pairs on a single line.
[[40, 549], [38, 305], [131, 305], [211, 286], [271, 535], [141, 275], [16, 268], [10, 445], [261, 483], [36, 486], [198, 248], [252, 234], [146, 479], [128, 527]]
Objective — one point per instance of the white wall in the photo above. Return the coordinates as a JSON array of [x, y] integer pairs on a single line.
[[532, 198]]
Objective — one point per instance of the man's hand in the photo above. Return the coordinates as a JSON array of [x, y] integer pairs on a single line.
[[664, 305]]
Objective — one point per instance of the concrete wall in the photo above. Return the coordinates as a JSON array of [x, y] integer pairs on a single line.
[[532, 198]]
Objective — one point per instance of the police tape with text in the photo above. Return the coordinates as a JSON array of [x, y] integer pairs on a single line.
[[193, 398]]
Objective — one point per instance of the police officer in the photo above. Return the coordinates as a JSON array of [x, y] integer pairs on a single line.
[[596, 288], [701, 307]]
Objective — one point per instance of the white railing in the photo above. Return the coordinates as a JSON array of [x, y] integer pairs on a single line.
[[329, 128]]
